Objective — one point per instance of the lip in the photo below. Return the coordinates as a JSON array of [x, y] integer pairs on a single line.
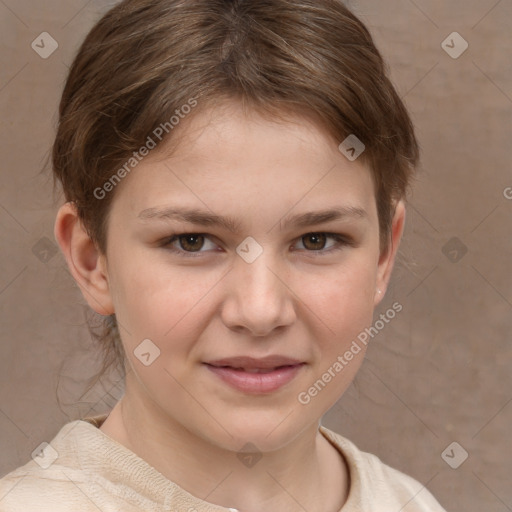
[[256, 376], [250, 363]]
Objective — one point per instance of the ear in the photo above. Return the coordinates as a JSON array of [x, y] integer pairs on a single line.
[[387, 258], [86, 264]]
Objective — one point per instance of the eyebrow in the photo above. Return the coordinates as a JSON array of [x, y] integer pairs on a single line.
[[206, 218]]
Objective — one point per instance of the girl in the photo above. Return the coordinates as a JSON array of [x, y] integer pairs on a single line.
[[235, 175]]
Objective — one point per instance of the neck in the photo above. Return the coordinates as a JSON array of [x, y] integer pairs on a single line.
[[306, 474]]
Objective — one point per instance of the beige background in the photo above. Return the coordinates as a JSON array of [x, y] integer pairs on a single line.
[[438, 373]]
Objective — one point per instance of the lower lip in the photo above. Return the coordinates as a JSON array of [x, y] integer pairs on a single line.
[[256, 383]]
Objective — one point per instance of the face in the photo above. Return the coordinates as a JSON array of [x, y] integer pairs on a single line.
[[249, 259]]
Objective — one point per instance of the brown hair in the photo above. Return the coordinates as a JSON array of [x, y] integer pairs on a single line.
[[146, 59]]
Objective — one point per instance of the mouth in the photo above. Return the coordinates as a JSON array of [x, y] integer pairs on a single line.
[[248, 363], [255, 370], [256, 376]]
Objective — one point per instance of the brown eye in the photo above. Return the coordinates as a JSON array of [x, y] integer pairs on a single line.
[[317, 244], [316, 241], [191, 242]]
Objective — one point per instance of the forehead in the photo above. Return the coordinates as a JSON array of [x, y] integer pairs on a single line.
[[227, 156], [231, 129]]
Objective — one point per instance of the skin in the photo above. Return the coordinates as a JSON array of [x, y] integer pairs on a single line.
[[292, 300]]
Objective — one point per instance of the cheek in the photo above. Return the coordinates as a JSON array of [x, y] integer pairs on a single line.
[[339, 308], [159, 302], [343, 300]]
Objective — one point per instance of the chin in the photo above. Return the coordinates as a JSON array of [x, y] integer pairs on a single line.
[[264, 429]]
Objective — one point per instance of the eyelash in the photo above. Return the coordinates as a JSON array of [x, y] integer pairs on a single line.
[[341, 242]]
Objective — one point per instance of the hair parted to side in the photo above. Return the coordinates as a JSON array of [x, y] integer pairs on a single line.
[[145, 59]]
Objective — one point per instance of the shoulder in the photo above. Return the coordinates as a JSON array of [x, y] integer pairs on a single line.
[[53, 480], [31, 488], [377, 486]]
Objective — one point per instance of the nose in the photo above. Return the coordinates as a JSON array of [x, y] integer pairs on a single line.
[[258, 299]]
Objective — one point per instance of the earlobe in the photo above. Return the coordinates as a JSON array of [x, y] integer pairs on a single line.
[[85, 262], [387, 258]]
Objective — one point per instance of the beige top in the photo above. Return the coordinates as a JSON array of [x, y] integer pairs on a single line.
[[83, 469]]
